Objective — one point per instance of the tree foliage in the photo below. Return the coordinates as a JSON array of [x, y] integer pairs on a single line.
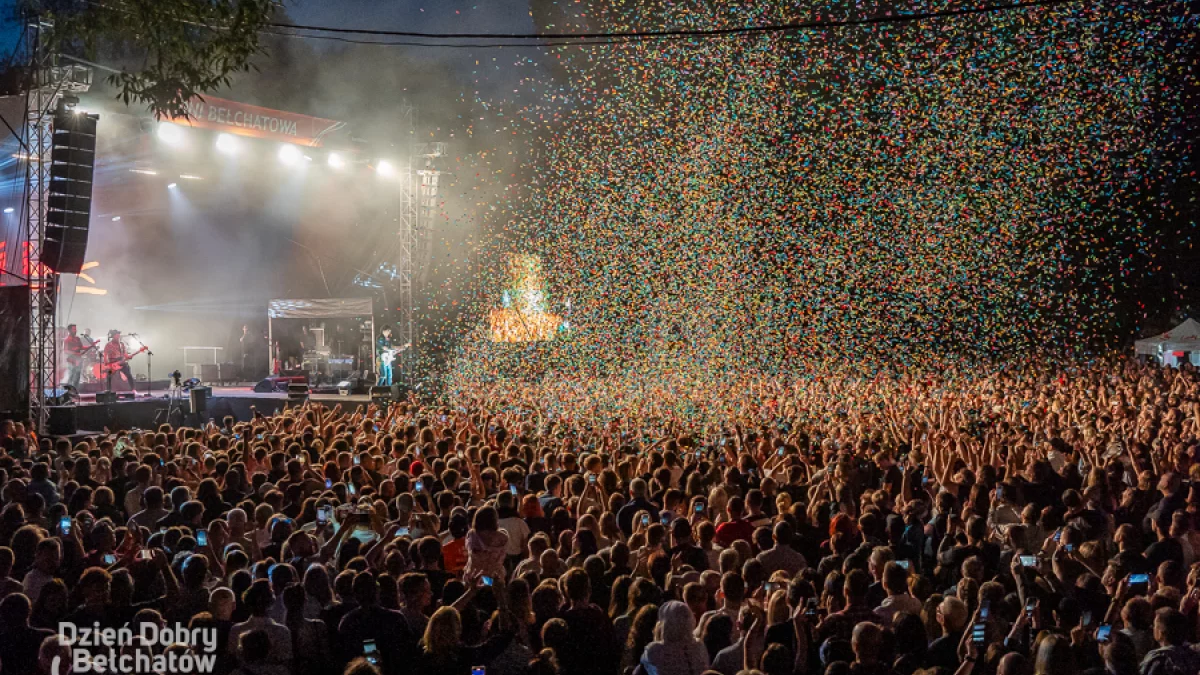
[[173, 50]]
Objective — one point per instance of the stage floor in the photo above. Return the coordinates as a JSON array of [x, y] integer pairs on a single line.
[[239, 391], [148, 410]]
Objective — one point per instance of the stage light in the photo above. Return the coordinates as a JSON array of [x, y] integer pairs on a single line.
[[116, 218], [169, 133], [145, 172], [336, 161], [289, 154], [227, 144], [8, 209], [188, 176], [385, 168], [171, 186]]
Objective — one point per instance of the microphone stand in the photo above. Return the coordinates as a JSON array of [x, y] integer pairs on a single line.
[[149, 374]]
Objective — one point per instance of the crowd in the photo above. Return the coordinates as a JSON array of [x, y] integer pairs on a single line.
[[1027, 522]]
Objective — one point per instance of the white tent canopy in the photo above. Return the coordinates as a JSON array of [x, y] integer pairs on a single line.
[[1183, 338]]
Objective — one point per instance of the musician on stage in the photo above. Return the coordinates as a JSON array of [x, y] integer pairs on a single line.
[[386, 352], [74, 348], [116, 360]]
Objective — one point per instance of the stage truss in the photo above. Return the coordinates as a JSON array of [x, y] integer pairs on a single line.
[[49, 83]]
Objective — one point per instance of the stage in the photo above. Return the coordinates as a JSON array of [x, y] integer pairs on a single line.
[[146, 410]]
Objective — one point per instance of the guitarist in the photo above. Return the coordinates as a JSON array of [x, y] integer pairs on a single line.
[[116, 360], [386, 352], [74, 348]]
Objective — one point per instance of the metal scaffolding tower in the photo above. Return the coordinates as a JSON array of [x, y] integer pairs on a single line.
[[48, 83]]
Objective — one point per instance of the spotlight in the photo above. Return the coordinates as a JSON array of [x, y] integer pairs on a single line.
[[289, 154], [385, 168], [145, 172], [116, 218], [336, 161], [171, 186], [188, 176], [169, 133], [8, 209], [227, 144]]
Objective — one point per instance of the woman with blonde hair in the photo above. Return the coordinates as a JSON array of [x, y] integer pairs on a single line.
[[442, 651]]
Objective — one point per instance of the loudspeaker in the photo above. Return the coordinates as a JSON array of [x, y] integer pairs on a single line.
[[14, 350], [381, 394], [69, 199], [199, 396], [297, 392], [210, 372], [61, 421], [265, 386], [106, 397]]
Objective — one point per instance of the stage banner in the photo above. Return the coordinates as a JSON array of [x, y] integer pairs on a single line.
[[244, 119]]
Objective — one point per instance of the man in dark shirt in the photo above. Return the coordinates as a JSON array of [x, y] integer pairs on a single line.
[[389, 630], [593, 649], [638, 489], [840, 625], [19, 642], [952, 616]]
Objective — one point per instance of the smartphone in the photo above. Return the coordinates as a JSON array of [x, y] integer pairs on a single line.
[[478, 670], [646, 519], [1139, 583], [1085, 619], [984, 610], [64, 525], [699, 508], [1103, 633], [370, 652], [979, 633], [420, 486], [1028, 560], [592, 478], [487, 581], [1070, 548], [202, 537], [512, 489], [303, 459], [1030, 605], [780, 453], [328, 484], [810, 608], [145, 554], [1058, 535], [903, 563], [323, 515], [768, 589], [665, 518], [110, 559], [351, 489], [357, 460]]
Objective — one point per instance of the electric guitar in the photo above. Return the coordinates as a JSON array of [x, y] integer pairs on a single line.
[[114, 366], [389, 355]]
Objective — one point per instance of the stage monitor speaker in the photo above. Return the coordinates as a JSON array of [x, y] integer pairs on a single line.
[[381, 394], [297, 392], [14, 351], [199, 396], [210, 372], [61, 421], [106, 397], [69, 199], [265, 386]]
